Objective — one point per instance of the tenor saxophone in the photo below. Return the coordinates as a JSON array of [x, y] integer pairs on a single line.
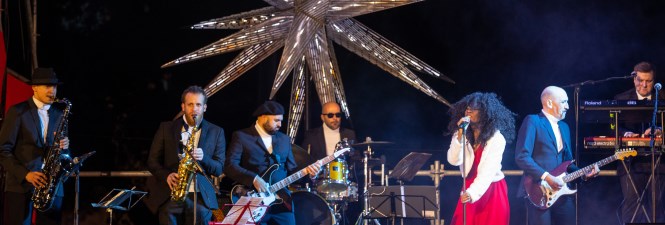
[[57, 165], [186, 170]]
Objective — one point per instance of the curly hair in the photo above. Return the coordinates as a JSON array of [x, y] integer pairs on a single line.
[[492, 116]]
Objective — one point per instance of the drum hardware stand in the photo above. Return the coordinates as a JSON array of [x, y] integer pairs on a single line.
[[368, 182]]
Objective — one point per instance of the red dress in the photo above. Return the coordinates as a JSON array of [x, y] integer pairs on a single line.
[[491, 208]]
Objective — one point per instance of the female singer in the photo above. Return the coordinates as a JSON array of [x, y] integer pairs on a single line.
[[490, 125]]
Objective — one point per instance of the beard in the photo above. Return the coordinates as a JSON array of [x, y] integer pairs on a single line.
[[270, 130]]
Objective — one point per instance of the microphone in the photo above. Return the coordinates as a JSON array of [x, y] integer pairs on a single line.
[[657, 86], [633, 74], [465, 122], [83, 157]]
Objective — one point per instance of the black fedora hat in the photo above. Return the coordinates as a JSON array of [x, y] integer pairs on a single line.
[[44, 76]]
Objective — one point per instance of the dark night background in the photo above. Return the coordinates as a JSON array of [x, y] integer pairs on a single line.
[[109, 53]]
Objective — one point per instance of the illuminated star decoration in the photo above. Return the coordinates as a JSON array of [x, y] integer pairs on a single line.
[[306, 30]]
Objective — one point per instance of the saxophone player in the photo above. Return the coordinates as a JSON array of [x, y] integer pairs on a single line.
[[168, 146], [27, 131]]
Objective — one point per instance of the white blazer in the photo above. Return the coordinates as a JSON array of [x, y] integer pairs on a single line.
[[489, 168]]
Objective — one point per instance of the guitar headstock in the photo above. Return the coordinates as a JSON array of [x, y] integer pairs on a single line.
[[342, 147], [623, 153]]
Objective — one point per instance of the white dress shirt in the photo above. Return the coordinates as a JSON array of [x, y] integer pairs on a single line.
[[42, 110]]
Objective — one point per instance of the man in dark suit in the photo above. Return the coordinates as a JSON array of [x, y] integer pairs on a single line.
[[321, 141], [27, 133], [638, 169], [207, 150], [543, 143], [254, 149]]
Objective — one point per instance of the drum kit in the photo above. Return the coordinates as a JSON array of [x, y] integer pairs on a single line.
[[334, 188]]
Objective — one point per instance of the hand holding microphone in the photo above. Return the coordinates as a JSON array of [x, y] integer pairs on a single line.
[[464, 122]]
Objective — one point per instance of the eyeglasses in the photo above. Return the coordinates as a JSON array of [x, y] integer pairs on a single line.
[[330, 115]]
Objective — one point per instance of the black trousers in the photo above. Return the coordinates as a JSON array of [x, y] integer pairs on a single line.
[[171, 213], [561, 213], [18, 210]]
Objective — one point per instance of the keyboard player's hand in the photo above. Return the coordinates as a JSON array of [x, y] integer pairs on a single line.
[[630, 134], [659, 132]]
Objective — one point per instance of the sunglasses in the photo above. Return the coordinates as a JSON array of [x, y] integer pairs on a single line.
[[330, 115]]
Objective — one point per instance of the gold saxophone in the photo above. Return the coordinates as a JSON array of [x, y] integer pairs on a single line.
[[57, 166], [186, 170]]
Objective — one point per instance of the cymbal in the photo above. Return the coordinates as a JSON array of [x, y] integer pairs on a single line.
[[301, 156], [366, 143]]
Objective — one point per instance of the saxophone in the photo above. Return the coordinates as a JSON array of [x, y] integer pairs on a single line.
[[57, 165], [186, 170]]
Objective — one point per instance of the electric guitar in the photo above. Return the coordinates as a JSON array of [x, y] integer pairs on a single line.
[[543, 196], [275, 193]]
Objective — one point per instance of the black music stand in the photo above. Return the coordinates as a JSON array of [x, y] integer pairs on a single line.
[[404, 201], [407, 168], [120, 199]]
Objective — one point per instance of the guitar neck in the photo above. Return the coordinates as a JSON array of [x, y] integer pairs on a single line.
[[296, 176], [582, 172]]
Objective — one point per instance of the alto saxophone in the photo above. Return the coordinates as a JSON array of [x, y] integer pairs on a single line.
[[57, 165], [186, 170]]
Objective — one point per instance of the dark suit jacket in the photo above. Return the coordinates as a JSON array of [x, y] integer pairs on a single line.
[[163, 160], [248, 157], [21, 143], [317, 142], [632, 95], [637, 122], [536, 150]]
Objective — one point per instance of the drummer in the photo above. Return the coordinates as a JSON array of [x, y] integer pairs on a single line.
[[320, 142]]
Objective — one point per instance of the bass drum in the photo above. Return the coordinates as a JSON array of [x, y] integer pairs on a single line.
[[310, 209]]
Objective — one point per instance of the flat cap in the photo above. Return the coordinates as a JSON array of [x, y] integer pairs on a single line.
[[269, 108]]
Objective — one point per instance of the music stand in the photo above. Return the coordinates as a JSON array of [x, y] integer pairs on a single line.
[[247, 210], [120, 199], [415, 201], [407, 168]]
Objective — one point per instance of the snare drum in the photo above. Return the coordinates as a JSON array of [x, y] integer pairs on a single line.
[[335, 177], [348, 195], [310, 208]]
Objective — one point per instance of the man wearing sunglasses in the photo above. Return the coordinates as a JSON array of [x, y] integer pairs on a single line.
[[321, 141]]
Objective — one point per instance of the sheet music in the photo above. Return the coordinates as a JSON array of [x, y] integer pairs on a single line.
[[252, 215]]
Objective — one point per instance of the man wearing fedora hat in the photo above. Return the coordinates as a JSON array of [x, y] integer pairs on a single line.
[[28, 129], [254, 149]]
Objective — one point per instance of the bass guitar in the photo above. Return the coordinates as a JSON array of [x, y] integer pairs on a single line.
[[275, 193], [543, 196]]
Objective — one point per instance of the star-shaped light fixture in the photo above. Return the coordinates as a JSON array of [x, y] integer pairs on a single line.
[[306, 30]]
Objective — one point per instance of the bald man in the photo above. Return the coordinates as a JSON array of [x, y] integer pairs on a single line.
[[321, 141], [543, 143]]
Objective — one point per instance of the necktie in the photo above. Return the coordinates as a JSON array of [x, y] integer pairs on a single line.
[[43, 116]]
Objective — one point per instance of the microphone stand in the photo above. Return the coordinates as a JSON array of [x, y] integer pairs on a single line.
[[78, 163], [576, 96], [463, 127], [653, 152]]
